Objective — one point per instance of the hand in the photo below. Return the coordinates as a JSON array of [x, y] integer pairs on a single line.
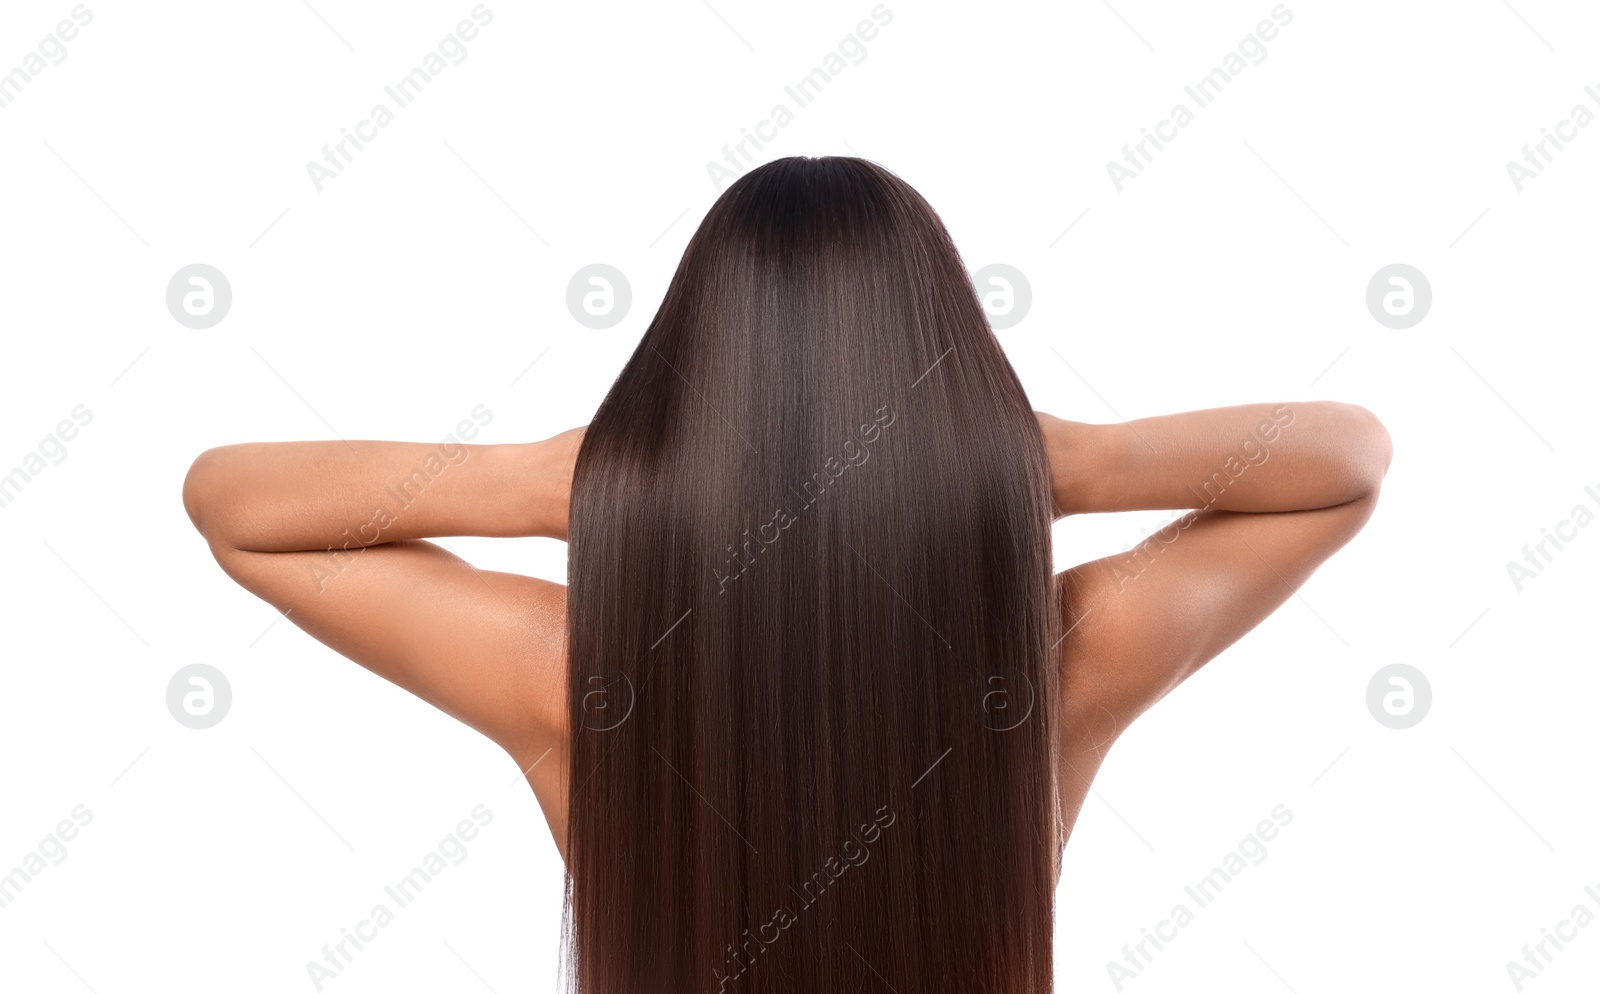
[[1058, 451], [552, 466]]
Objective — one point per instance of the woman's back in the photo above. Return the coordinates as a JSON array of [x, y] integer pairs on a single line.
[[812, 713], [808, 553]]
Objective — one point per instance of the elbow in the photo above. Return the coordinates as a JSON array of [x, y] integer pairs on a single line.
[[200, 487], [1368, 446]]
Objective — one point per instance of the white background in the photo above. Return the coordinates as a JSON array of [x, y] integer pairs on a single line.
[[427, 277]]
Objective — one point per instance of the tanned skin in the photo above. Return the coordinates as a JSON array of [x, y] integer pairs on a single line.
[[1276, 489]]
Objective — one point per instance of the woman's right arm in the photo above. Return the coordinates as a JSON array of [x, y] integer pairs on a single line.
[[1273, 490], [1255, 457]]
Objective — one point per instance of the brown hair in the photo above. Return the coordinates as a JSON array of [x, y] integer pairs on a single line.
[[810, 619]]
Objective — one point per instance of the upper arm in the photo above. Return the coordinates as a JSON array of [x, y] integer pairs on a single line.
[[485, 647], [1145, 620]]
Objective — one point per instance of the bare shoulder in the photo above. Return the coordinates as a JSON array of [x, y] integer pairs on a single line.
[[1139, 624], [543, 754]]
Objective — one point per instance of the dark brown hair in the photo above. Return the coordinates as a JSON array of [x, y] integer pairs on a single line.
[[810, 619]]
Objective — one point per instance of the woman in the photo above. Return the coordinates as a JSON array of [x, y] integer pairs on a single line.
[[812, 714]]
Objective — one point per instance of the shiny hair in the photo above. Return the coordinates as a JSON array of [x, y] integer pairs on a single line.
[[811, 611]]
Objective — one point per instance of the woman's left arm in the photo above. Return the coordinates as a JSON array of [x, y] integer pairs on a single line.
[[331, 535], [341, 496]]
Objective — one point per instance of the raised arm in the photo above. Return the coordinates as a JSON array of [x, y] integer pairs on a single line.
[[297, 496], [331, 535], [1275, 489]]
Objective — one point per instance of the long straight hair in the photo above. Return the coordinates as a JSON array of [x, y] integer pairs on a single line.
[[811, 612]]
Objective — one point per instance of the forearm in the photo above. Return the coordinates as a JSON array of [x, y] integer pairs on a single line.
[[296, 496], [1298, 455]]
